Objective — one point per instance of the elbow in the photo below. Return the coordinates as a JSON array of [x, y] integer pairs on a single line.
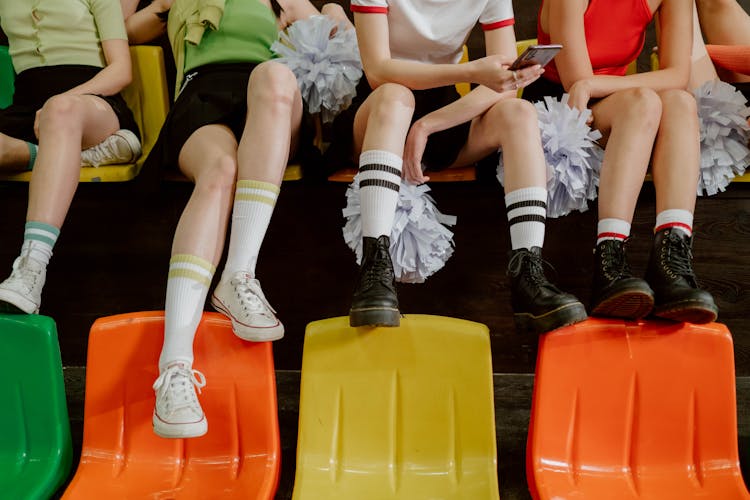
[[374, 80]]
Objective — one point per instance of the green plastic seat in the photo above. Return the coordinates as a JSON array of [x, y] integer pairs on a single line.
[[35, 444], [7, 77]]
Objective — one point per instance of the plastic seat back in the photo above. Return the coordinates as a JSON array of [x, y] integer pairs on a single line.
[[7, 78], [637, 410], [397, 413], [35, 445], [123, 458]]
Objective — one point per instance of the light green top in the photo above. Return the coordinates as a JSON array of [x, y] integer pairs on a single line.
[[244, 33], [53, 32]]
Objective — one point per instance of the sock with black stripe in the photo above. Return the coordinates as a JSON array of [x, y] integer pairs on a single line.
[[254, 202], [681, 220], [379, 183], [527, 214], [187, 287], [38, 241]]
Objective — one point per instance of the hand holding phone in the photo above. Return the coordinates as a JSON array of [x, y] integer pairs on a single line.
[[535, 54]]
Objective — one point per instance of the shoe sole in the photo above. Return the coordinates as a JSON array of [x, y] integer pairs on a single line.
[[381, 316], [15, 303], [688, 311], [179, 431], [626, 305], [133, 142], [247, 332], [562, 316]]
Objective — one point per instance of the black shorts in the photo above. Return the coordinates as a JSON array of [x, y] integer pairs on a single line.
[[34, 86], [542, 87], [442, 147], [212, 94], [744, 88]]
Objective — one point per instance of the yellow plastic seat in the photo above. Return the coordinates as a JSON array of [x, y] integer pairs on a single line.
[[148, 98], [396, 413]]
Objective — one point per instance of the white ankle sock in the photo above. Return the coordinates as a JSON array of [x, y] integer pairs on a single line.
[[675, 218], [612, 229], [38, 241]]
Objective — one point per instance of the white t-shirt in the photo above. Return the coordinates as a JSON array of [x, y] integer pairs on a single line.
[[435, 31]]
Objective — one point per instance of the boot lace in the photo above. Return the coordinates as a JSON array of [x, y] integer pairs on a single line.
[[175, 386], [677, 256], [532, 265], [379, 273], [614, 263]]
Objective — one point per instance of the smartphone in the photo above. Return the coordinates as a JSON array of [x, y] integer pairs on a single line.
[[536, 54]]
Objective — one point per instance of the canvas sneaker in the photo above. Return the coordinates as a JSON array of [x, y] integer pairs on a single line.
[[22, 291], [242, 301], [121, 147], [177, 413]]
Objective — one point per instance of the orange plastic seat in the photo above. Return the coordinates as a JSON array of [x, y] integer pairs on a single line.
[[635, 410], [239, 457]]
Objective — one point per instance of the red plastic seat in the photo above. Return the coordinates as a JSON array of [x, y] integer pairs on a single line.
[[637, 410], [123, 458]]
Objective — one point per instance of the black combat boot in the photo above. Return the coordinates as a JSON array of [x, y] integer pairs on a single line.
[[538, 305], [670, 274], [616, 292], [375, 302]]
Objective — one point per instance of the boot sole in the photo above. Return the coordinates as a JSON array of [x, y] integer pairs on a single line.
[[562, 316], [626, 305], [688, 311], [381, 316]]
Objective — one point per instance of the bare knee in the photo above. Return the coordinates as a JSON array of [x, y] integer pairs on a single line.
[[678, 101], [390, 97], [334, 11], [218, 178], [63, 112], [641, 104], [512, 114], [272, 83]]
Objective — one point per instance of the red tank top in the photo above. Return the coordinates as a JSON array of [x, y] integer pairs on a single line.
[[615, 33]]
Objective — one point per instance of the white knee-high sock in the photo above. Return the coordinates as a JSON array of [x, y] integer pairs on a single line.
[[379, 183], [527, 215], [187, 287], [254, 203]]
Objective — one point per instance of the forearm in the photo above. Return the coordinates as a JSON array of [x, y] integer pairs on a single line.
[[417, 75], [463, 110], [109, 81], [145, 25], [664, 79]]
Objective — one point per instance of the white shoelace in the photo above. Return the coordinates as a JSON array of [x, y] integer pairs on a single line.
[[176, 385], [251, 295], [23, 276]]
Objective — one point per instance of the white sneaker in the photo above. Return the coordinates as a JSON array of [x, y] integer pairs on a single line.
[[177, 413], [22, 291], [241, 300], [121, 147]]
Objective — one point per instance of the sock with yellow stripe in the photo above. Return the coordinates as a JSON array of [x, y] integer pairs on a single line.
[[254, 202], [187, 288], [38, 241]]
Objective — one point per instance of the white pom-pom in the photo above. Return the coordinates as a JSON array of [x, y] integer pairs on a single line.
[[723, 114], [420, 242], [328, 68], [573, 158]]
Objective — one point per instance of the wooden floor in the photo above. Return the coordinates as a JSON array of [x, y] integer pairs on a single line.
[[113, 254]]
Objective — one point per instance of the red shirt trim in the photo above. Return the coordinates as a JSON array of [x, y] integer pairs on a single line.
[[363, 9], [499, 24]]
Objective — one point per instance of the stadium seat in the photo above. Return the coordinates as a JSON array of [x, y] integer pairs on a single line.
[[239, 457], [7, 78], [35, 445], [148, 98], [635, 410], [397, 413]]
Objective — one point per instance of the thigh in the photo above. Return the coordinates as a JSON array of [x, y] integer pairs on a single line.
[[99, 120], [203, 147]]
